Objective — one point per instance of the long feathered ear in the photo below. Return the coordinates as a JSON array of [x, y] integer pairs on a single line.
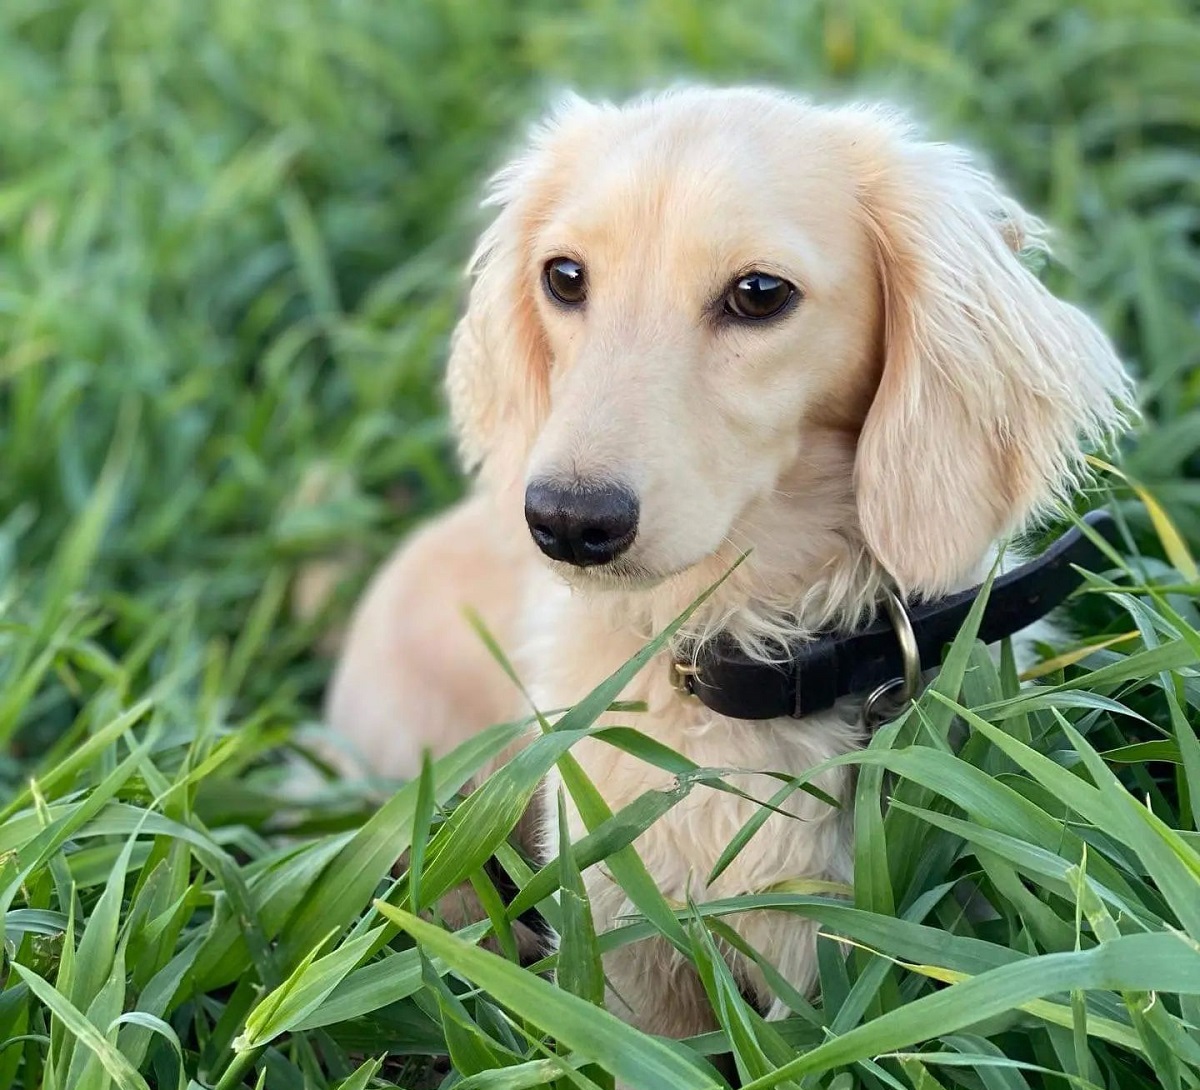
[[497, 377], [991, 387]]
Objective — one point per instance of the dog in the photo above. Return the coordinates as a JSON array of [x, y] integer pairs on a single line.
[[708, 324]]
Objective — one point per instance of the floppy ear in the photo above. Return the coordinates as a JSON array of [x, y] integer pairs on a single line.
[[990, 386], [497, 377]]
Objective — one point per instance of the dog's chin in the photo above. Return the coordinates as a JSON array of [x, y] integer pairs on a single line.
[[623, 574], [617, 575]]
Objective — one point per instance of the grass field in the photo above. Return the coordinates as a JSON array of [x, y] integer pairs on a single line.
[[230, 244]]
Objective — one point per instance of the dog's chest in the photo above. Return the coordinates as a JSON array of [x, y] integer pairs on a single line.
[[681, 848]]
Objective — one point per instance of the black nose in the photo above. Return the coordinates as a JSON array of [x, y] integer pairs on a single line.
[[582, 524]]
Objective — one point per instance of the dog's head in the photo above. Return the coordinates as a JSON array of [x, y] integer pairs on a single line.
[[708, 306]]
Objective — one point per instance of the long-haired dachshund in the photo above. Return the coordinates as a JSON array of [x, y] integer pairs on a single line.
[[706, 324]]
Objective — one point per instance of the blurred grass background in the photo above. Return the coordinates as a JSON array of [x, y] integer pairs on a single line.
[[231, 240]]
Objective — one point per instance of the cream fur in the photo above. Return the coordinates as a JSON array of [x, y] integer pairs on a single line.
[[925, 398]]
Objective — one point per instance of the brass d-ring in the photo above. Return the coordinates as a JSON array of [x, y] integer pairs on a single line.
[[910, 683]]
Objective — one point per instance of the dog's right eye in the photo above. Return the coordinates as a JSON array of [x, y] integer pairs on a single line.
[[565, 281]]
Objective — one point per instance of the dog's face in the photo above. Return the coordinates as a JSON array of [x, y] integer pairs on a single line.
[[698, 304], [697, 312]]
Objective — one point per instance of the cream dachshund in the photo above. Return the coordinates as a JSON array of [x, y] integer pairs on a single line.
[[705, 324]]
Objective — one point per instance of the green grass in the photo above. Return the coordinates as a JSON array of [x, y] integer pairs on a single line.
[[230, 244]]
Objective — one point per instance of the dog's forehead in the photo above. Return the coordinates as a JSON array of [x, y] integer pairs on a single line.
[[728, 178]]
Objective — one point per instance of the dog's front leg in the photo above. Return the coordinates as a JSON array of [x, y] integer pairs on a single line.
[[789, 945], [649, 984]]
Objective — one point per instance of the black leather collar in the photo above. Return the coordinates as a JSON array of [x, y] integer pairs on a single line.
[[836, 665]]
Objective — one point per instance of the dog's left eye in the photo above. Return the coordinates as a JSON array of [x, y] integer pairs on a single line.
[[758, 295], [565, 281]]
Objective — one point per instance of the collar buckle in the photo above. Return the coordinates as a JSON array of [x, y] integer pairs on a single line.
[[683, 676]]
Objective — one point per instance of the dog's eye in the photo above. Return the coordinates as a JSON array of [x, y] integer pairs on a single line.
[[758, 295], [565, 281]]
